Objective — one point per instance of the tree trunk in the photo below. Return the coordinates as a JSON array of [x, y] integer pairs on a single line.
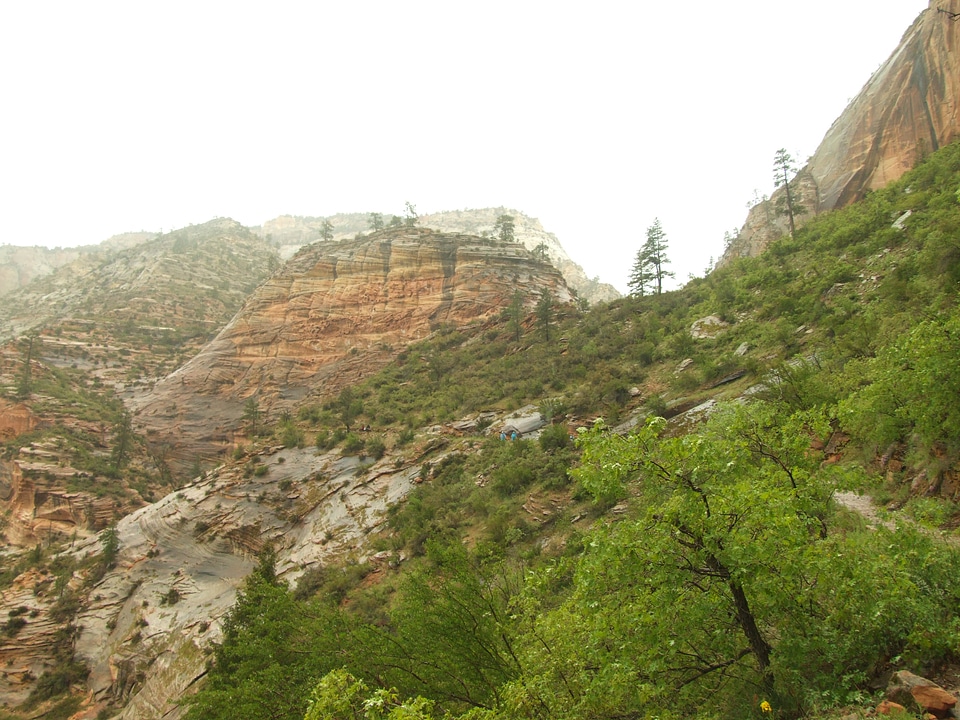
[[759, 646]]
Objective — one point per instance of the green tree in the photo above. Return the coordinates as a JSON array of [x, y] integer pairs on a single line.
[[262, 668], [516, 314], [784, 170], [540, 252], [912, 392], [25, 384], [504, 228], [251, 415], [410, 214], [326, 230], [655, 258], [724, 513], [123, 439], [544, 312], [641, 275], [341, 696], [348, 407], [376, 221], [449, 636]]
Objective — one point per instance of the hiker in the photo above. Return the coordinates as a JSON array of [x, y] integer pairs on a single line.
[[503, 436], [513, 435]]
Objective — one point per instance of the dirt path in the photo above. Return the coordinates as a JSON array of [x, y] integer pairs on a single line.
[[864, 506]]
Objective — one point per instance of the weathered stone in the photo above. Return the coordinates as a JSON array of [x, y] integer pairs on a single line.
[[707, 327], [909, 107], [888, 707], [335, 313], [911, 690]]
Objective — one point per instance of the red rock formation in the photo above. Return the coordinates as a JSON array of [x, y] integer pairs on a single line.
[[16, 419], [335, 313], [911, 106]]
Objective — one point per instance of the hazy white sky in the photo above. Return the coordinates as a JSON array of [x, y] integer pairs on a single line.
[[596, 118]]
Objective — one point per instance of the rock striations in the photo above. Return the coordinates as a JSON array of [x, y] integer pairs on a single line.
[[910, 106], [288, 233], [336, 312]]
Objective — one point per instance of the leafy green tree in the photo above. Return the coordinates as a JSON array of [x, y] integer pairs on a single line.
[[545, 313], [449, 636], [376, 221], [504, 228], [912, 391], [723, 514], [540, 252], [326, 230], [784, 170], [348, 407], [341, 696]]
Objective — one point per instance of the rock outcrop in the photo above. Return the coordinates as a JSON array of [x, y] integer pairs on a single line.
[[147, 630], [335, 313], [530, 233], [289, 232], [909, 107]]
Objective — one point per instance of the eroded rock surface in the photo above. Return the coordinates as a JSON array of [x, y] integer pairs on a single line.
[[335, 313], [909, 107], [147, 630]]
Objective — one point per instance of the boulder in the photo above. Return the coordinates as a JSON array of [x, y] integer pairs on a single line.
[[913, 691]]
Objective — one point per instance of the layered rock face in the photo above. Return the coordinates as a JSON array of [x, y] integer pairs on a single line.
[[911, 106], [530, 233], [289, 232], [336, 312]]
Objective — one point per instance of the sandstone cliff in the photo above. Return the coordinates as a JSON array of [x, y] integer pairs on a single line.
[[910, 106], [289, 232], [335, 313]]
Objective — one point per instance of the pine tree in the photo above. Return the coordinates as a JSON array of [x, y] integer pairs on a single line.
[[640, 276], [784, 171], [504, 228], [648, 268]]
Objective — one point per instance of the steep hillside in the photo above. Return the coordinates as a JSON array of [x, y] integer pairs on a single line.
[[909, 108], [396, 535], [101, 329], [21, 265], [335, 313]]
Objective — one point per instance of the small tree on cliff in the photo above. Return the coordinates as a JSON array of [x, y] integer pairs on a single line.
[[251, 415], [649, 267], [641, 279], [504, 228], [376, 221], [326, 230], [410, 217], [545, 313], [784, 170], [516, 315], [25, 385]]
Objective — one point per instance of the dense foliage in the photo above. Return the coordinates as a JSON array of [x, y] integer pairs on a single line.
[[719, 574]]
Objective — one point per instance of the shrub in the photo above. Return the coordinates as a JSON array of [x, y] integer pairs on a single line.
[[353, 443]]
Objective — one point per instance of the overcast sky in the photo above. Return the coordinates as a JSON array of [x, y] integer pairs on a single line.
[[594, 117]]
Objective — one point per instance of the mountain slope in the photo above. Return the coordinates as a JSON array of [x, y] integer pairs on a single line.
[[335, 313], [908, 108]]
